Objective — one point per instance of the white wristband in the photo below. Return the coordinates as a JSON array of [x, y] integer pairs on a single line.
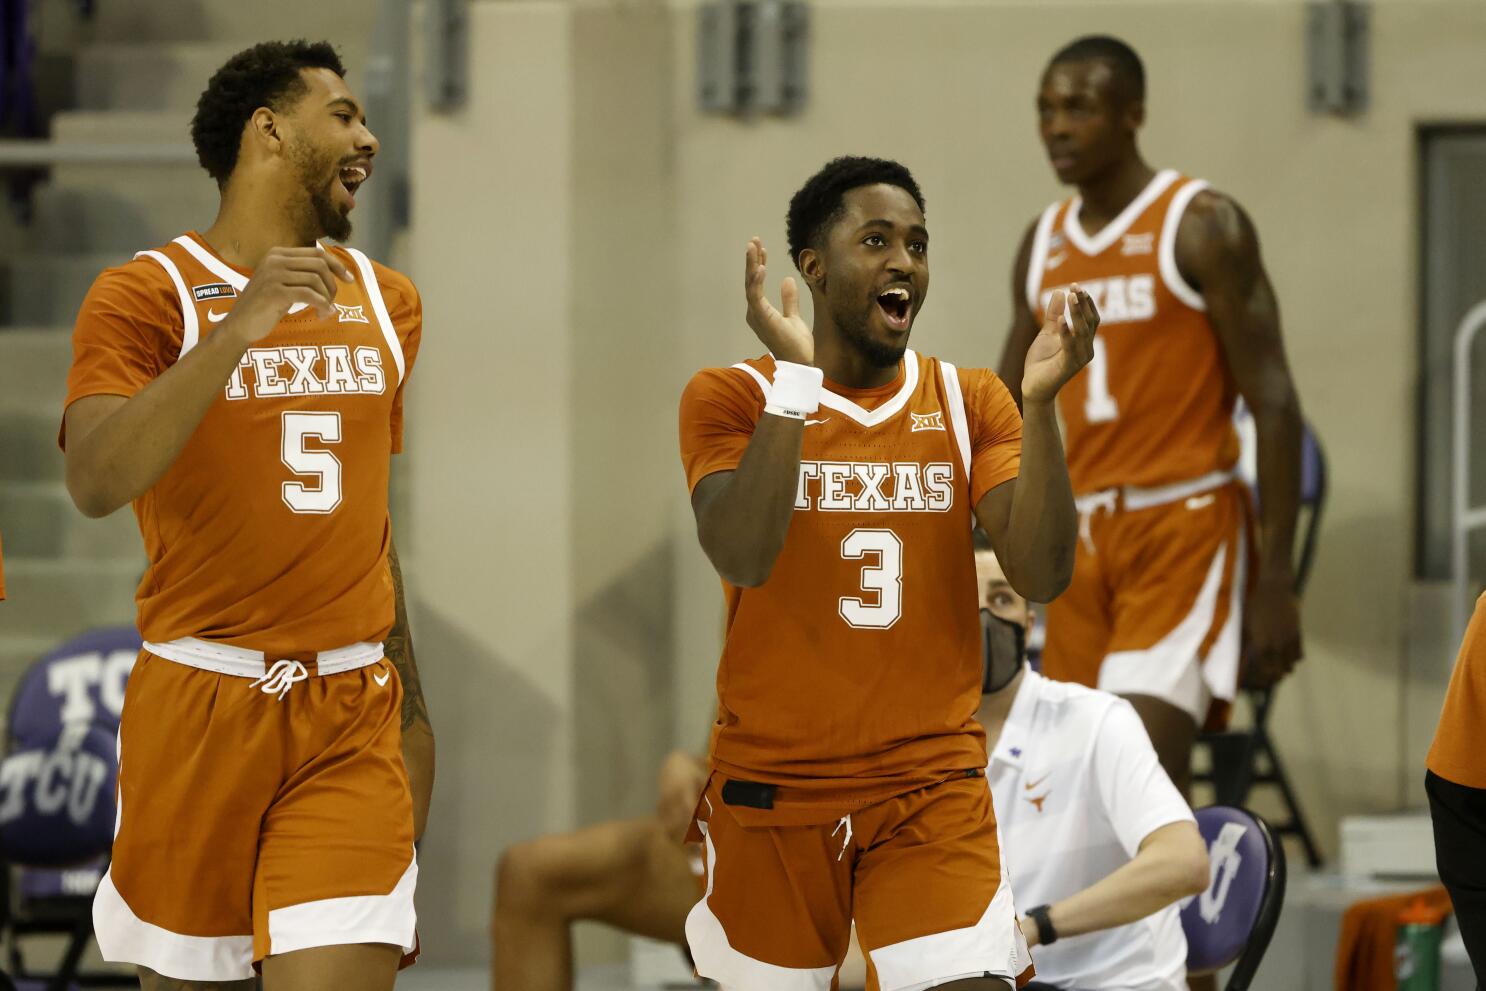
[[796, 390]]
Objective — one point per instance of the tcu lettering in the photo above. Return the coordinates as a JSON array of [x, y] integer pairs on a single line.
[[1224, 863], [308, 370], [1120, 299], [876, 487], [65, 777], [71, 679]]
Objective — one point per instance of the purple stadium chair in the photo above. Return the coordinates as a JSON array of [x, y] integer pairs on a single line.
[[1233, 920], [57, 788]]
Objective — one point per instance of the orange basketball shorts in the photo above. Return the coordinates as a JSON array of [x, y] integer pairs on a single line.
[[920, 873], [252, 824], [1155, 605]]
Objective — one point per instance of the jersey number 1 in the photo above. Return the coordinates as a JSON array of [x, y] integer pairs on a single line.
[[883, 575], [1099, 405], [325, 495]]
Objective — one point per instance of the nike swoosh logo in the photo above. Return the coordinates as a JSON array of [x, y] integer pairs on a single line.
[[811, 423], [382, 680], [1034, 784], [216, 317], [1200, 502], [1057, 259]]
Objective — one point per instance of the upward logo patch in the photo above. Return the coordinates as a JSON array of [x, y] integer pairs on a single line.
[[927, 421]]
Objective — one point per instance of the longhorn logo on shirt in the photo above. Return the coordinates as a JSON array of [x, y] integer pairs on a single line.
[[352, 314], [927, 421]]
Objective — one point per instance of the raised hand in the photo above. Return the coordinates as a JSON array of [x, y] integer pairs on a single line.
[[1063, 346], [787, 336], [286, 276]]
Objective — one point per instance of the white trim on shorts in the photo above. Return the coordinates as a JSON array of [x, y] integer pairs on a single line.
[[734, 971], [993, 947], [241, 662], [124, 937], [388, 918], [1174, 669]]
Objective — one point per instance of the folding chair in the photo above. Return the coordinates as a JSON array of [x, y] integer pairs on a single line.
[[59, 802], [1241, 759], [1233, 921]]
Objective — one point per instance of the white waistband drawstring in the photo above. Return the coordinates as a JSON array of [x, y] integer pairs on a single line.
[[1107, 501], [283, 676], [846, 841]]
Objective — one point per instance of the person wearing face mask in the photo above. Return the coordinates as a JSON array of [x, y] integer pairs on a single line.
[[1098, 844]]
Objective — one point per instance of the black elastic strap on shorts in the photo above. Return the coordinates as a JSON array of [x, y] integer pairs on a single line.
[[1459, 816], [749, 794]]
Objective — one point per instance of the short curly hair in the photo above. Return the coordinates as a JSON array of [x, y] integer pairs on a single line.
[[266, 75], [822, 199]]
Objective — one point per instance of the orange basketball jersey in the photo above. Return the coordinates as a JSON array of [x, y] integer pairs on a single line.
[[270, 531], [1458, 753], [853, 673], [1155, 405]]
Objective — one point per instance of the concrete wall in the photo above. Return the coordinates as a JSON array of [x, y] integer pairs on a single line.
[[578, 237]]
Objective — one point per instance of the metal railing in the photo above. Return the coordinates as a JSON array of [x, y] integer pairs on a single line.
[[44, 153], [1465, 518]]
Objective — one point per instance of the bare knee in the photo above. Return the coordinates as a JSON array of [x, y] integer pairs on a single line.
[[528, 879], [151, 981]]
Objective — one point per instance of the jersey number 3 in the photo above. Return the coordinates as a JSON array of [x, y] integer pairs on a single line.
[[325, 494], [883, 575]]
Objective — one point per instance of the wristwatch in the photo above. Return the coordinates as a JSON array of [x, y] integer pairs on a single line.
[[1046, 934]]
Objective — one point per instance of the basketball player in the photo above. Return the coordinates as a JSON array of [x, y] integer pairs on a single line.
[[243, 388], [834, 482], [1189, 322], [1456, 783]]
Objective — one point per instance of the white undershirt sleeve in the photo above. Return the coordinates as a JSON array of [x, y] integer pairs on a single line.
[[1136, 794]]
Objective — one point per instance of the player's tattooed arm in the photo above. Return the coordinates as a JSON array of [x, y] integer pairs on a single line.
[[1024, 324], [417, 729], [1217, 251]]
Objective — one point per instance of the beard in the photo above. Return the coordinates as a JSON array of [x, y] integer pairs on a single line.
[[333, 221], [877, 353], [320, 216]]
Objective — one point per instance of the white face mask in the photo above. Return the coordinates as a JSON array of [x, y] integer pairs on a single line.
[[1004, 647]]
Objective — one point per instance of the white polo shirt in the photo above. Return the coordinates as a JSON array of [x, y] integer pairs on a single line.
[[1077, 788]]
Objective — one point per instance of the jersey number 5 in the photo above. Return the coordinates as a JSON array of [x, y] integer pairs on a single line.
[[325, 494], [884, 576]]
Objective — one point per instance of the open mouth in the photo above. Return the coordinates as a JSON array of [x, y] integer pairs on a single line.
[[896, 303], [351, 177]]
